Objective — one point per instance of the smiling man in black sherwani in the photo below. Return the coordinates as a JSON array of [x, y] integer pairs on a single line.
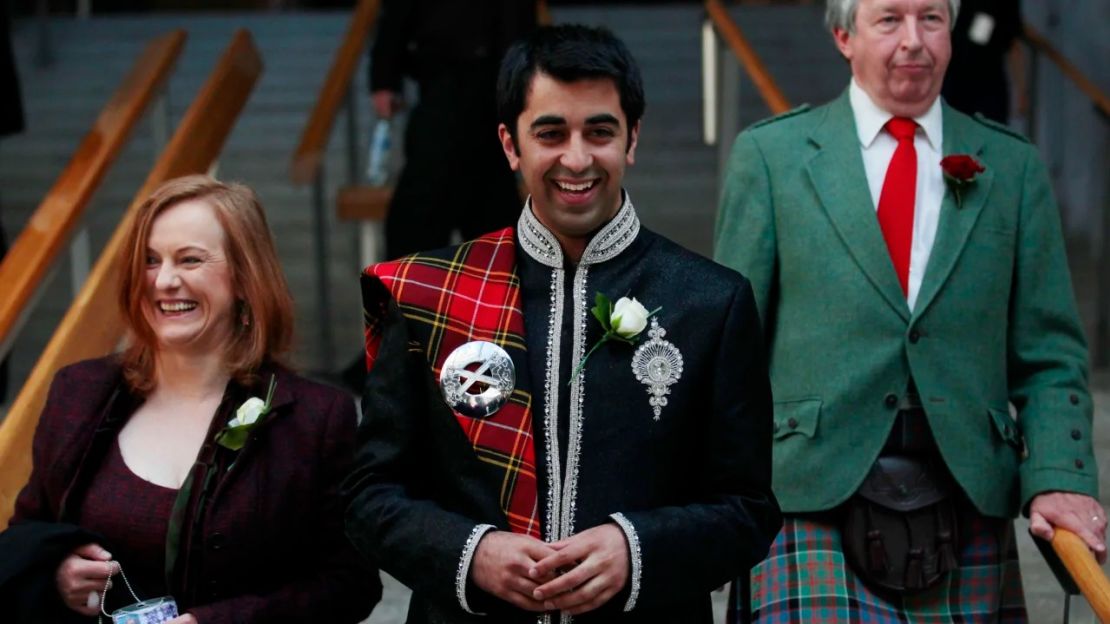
[[509, 468]]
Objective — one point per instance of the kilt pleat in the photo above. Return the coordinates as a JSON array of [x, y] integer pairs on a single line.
[[806, 578]]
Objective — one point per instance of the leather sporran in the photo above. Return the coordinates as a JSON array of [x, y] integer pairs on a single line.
[[899, 529]]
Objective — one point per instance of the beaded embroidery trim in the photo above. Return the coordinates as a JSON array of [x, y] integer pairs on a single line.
[[615, 237], [464, 564], [636, 556], [577, 398], [551, 408], [539, 243], [536, 240]]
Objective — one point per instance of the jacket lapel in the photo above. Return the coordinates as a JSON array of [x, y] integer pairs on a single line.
[[115, 404], [279, 405], [837, 173], [956, 220], [208, 478]]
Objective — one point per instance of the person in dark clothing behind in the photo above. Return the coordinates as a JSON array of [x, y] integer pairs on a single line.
[[11, 122], [985, 36], [455, 175]]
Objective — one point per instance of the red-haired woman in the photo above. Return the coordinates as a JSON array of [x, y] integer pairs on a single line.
[[209, 469]]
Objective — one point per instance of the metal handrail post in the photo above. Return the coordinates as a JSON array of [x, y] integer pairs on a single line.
[[7, 343], [44, 50], [160, 122], [363, 236], [1102, 298], [80, 259], [352, 134], [1033, 94], [728, 107], [709, 80], [323, 282]]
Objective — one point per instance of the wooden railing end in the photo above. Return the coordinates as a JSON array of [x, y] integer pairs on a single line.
[[1084, 570], [730, 31]]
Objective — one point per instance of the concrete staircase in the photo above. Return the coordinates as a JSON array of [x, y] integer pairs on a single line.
[[91, 58]]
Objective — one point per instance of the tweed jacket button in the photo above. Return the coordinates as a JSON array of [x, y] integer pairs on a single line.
[[891, 400], [914, 336], [1074, 399], [792, 423], [1079, 464], [216, 541], [1076, 434]]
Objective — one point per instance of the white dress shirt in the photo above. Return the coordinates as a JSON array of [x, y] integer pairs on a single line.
[[878, 146]]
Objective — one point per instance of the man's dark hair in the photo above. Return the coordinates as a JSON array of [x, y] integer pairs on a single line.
[[568, 52]]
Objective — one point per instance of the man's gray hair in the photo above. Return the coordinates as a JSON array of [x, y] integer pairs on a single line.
[[842, 14]]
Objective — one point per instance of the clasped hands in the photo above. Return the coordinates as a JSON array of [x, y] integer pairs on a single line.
[[574, 575]]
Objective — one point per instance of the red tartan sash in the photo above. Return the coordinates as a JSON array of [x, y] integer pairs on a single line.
[[474, 295]]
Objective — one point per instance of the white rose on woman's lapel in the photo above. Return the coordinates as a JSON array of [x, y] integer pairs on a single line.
[[249, 412]]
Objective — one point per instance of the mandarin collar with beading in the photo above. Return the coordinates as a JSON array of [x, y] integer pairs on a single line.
[[539, 243]]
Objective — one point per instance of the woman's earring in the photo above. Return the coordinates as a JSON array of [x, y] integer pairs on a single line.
[[244, 314]]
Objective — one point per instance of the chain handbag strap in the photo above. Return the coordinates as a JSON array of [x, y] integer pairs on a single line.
[[108, 585]]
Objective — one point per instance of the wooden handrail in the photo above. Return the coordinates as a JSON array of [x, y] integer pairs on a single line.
[[1088, 87], [50, 226], [749, 60], [1084, 570], [92, 326], [314, 139]]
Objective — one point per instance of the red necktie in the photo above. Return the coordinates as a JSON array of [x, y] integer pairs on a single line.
[[897, 198]]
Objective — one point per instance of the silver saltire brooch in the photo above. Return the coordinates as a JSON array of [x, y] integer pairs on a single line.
[[477, 379], [657, 364]]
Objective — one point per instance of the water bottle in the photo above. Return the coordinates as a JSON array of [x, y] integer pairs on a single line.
[[377, 171]]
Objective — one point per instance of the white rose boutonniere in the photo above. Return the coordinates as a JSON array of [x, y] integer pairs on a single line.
[[623, 322], [629, 318], [248, 413], [247, 417]]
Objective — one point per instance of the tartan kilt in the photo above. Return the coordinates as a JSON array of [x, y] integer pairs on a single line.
[[805, 578]]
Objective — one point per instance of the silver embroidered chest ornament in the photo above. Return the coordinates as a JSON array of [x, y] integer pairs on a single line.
[[477, 379], [657, 364]]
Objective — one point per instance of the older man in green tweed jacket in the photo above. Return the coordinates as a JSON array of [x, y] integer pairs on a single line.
[[907, 307]]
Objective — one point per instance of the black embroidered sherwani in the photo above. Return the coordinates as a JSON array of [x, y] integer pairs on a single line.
[[686, 474]]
